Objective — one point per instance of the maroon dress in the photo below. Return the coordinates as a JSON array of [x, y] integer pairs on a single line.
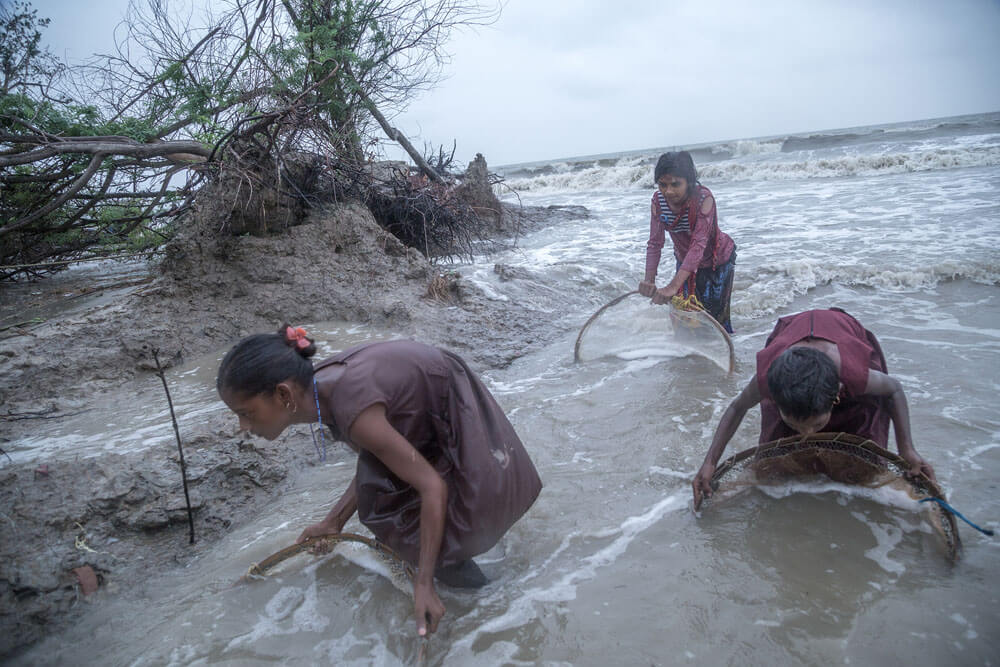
[[438, 404], [856, 413]]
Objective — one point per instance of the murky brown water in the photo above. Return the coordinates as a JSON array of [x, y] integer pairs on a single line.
[[611, 566]]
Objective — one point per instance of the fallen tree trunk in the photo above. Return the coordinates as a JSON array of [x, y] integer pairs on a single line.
[[399, 138]]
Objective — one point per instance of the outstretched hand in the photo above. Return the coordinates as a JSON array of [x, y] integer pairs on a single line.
[[702, 484], [427, 608]]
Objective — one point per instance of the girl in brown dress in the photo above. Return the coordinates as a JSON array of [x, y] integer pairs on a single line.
[[441, 474]]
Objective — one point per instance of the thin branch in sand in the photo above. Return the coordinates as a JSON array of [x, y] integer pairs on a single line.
[[177, 434]]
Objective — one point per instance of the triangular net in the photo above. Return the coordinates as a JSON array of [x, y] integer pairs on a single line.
[[366, 552], [631, 327]]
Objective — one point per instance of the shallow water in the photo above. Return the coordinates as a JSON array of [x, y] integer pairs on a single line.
[[611, 566]]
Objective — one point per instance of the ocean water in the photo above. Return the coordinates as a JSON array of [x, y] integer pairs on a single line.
[[897, 224]]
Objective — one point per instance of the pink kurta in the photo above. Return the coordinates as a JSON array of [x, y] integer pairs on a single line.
[[698, 245]]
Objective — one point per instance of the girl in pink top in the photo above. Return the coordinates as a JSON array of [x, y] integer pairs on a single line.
[[705, 256]]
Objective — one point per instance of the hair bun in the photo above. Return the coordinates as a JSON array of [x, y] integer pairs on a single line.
[[297, 339]]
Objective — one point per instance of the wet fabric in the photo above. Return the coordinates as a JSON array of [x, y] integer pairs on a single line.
[[856, 413], [714, 288], [439, 405], [699, 246]]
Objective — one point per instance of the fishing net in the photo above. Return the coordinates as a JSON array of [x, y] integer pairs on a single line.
[[363, 551], [631, 327], [841, 457]]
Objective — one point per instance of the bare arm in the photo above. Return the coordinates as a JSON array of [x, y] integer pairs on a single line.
[[880, 384], [373, 432], [731, 419], [654, 247]]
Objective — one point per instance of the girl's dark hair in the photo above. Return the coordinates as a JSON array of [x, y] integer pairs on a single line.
[[258, 363], [676, 164], [803, 382]]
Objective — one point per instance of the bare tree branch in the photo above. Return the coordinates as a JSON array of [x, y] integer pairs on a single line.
[[263, 99], [134, 149], [77, 185]]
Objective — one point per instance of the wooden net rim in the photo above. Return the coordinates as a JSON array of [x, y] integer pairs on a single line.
[[921, 482], [619, 299], [262, 568]]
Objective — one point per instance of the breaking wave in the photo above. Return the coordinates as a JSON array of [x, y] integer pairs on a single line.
[[769, 291], [854, 165], [807, 275], [627, 173], [636, 172]]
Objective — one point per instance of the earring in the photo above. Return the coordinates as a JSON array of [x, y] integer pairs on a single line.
[[836, 400]]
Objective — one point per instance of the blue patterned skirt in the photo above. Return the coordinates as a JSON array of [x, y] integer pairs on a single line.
[[714, 289]]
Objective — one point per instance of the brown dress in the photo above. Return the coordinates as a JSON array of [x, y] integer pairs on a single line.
[[438, 404], [856, 413]]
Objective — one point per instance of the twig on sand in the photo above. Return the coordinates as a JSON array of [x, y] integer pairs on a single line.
[[422, 651], [18, 325], [48, 414], [81, 541], [180, 449]]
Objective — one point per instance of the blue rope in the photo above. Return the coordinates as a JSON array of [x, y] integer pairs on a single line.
[[319, 418], [984, 531]]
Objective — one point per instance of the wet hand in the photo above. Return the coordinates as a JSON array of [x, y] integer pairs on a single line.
[[664, 295], [427, 608], [317, 529], [647, 288], [918, 465], [702, 484]]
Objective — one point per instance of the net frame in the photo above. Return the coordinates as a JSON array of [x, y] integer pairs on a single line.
[[263, 567], [868, 453], [677, 317]]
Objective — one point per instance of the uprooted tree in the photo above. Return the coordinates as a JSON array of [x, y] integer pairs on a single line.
[[276, 105]]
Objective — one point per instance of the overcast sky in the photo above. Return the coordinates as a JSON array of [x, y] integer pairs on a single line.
[[561, 78]]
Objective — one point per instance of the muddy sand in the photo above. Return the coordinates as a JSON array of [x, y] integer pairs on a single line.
[[115, 520]]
